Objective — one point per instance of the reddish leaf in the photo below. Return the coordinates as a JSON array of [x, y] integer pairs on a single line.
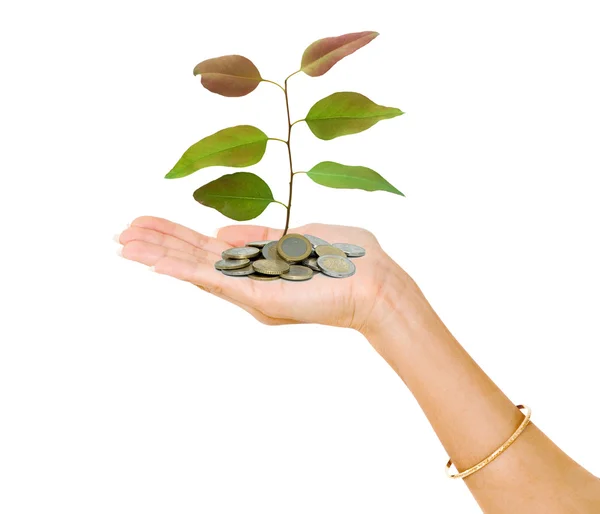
[[229, 75], [319, 57]]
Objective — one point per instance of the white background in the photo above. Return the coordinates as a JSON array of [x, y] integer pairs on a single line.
[[122, 391]]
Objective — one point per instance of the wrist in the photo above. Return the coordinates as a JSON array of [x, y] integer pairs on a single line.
[[401, 314]]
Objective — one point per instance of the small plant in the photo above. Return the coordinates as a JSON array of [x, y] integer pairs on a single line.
[[243, 196]]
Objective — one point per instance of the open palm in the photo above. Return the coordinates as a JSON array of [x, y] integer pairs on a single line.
[[180, 252]]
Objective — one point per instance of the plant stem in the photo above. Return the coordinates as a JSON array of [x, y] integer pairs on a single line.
[[290, 124]]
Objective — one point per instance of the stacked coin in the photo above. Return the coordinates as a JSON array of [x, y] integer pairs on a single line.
[[294, 257]]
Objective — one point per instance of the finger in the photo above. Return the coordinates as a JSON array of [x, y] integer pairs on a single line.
[[244, 294], [136, 233], [238, 235], [149, 254], [210, 244], [206, 277]]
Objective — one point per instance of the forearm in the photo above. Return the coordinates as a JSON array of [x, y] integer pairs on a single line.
[[470, 414]]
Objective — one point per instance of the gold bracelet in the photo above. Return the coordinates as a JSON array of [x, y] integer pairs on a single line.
[[498, 452]]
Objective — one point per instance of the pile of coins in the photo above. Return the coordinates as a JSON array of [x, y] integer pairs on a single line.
[[294, 257]]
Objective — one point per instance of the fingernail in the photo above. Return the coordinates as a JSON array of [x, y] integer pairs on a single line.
[[116, 238], [120, 251], [215, 233], [151, 268]]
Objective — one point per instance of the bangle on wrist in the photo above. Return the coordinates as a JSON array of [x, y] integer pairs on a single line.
[[498, 452]]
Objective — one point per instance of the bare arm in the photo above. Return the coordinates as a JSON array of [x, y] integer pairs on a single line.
[[469, 413], [471, 416]]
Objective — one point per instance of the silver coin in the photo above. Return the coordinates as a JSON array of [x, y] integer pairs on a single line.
[[351, 250], [336, 266], [241, 272], [231, 264], [260, 244], [311, 263], [297, 273], [315, 241], [241, 252], [269, 251]]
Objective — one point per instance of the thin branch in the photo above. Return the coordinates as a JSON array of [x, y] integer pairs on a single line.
[[298, 121], [278, 85], [290, 76], [277, 139]]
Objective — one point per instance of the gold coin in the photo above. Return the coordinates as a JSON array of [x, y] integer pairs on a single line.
[[298, 273], [263, 278], [294, 247], [329, 250], [269, 267]]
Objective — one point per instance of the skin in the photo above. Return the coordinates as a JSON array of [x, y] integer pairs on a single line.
[[469, 413]]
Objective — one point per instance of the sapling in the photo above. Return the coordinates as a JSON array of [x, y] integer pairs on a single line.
[[243, 196]]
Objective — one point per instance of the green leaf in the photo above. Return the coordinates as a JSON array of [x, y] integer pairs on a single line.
[[340, 176], [321, 55], [239, 196], [237, 147], [229, 75], [346, 113]]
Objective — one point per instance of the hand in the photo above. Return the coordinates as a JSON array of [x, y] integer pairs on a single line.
[[353, 302]]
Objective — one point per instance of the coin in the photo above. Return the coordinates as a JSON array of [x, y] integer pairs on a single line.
[[269, 251], [336, 266], [298, 273], [264, 278], [259, 244], [351, 250], [311, 263], [241, 272], [315, 241], [241, 252], [271, 267], [231, 264], [329, 250], [294, 247]]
